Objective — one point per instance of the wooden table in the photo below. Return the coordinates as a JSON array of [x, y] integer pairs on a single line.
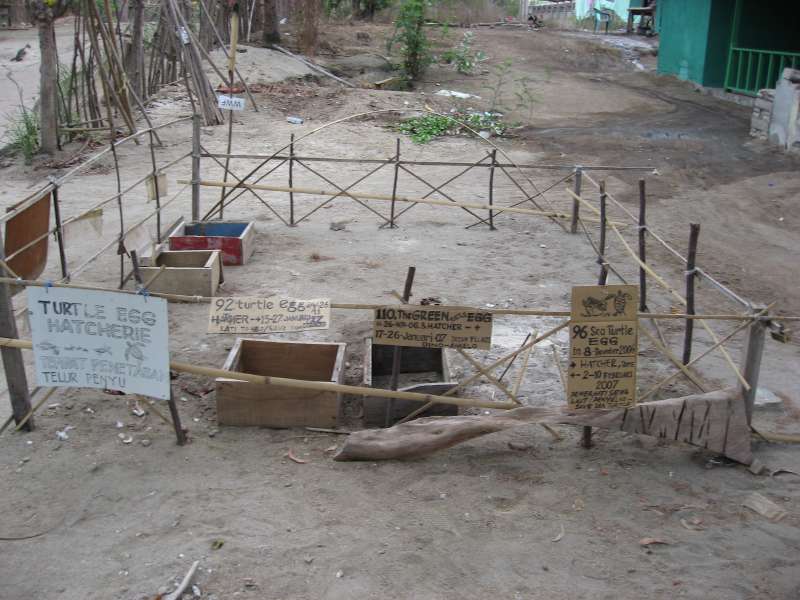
[[644, 12]]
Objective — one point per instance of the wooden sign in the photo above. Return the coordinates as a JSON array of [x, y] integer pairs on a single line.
[[93, 339], [230, 102], [603, 346], [161, 180], [433, 327], [268, 315]]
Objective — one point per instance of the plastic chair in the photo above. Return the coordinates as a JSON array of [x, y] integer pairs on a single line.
[[601, 16]]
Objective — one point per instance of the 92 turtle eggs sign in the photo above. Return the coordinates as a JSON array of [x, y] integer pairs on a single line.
[[94, 339]]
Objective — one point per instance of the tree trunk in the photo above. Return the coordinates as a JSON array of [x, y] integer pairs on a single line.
[[272, 34], [134, 56], [48, 86], [18, 13]]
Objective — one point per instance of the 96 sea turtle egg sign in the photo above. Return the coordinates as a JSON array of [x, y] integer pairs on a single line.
[[94, 339], [603, 346]]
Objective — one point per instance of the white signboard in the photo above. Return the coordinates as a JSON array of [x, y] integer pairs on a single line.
[[230, 102], [268, 315], [108, 340]]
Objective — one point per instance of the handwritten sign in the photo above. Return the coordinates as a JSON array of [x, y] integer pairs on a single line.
[[93, 339], [230, 102], [267, 315], [433, 327], [603, 346]]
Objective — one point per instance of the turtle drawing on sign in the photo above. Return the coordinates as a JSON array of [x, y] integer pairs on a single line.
[[620, 301], [598, 307], [48, 347], [134, 350]]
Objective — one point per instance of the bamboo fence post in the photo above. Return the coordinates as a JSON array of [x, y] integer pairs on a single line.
[[491, 189], [231, 68], [156, 191], [59, 232], [13, 363], [602, 279], [751, 361], [573, 228], [394, 184], [397, 355], [601, 256], [291, 180], [642, 246], [195, 167], [691, 274], [180, 432]]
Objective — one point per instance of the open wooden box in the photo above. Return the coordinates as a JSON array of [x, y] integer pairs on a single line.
[[422, 370], [187, 272], [236, 240], [243, 403]]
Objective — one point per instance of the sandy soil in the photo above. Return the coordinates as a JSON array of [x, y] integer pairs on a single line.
[[482, 519]]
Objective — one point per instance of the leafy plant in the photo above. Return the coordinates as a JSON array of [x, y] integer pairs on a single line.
[[500, 76], [23, 133], [463, 57], [424, 128], [526, 98], [410, 34]]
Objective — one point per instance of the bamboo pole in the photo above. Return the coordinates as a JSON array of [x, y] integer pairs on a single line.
[[494, 365], [496, 382], [388, 198], [674, 360], [718, 344], [528, 312], [323, 386]]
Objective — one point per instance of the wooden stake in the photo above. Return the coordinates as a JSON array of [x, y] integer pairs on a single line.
[[59, 233], [13, 364], [691, 274], [180, 433], [195, 167], [397, 356], [394, 184], [291, 180], [491, 189], [576, 207], [642, 246]]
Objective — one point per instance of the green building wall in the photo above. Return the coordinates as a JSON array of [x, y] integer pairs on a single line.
[[683, 27], [695, 35]]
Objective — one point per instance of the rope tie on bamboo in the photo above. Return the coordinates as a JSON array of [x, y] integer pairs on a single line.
[[692, 271]]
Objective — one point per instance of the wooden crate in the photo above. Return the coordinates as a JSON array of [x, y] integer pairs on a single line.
[[427, 364], [188, 272], [243, 403], [236, 240]]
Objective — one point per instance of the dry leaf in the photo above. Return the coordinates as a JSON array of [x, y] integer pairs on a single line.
[[693, 525], [650, 541], [292, 457], [560, 534]]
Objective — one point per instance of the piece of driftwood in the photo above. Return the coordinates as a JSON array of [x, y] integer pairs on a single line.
[[715, 421]]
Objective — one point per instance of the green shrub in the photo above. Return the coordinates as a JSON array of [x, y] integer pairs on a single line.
[[23, 133], [424, 128], [410, 34], [463, 57]]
